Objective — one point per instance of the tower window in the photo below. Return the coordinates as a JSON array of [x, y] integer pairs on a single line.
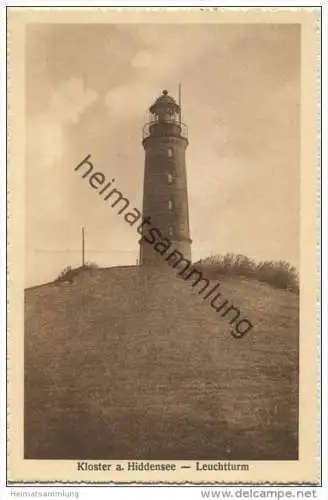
[[170, 178], [170, 204], [170, 153]]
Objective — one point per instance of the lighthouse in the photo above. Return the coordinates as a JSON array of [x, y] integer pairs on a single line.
[[165, 196]]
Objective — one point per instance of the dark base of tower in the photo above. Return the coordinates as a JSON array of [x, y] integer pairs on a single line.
[[131, 363]]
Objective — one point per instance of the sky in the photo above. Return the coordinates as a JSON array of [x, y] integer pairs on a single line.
[[88, 90]]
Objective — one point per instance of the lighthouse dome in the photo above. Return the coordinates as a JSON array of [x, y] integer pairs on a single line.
[[165, 101]]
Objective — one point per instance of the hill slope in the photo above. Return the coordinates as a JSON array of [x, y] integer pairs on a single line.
[[126, 363]]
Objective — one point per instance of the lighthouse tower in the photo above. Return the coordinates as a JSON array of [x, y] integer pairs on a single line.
[[165, 197]]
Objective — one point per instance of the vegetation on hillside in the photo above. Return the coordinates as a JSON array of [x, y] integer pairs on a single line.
[[280, 273], [69, 273]]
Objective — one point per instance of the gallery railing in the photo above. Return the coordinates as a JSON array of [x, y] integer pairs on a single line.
[[165, 128]]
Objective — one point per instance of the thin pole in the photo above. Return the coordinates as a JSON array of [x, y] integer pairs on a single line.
[[180, 102], [83, 249]]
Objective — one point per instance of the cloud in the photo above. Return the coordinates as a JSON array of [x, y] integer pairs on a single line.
[[48, 147], [46, 137], [70, 100], [143, 59], [161, 64]]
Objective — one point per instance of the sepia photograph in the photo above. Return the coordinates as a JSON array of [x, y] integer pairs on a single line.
[[161, 183]]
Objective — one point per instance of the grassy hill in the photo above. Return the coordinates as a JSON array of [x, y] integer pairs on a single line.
[[126, 363]]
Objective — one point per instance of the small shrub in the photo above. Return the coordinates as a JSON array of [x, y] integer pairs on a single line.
[[280, 273], [91, 265], [65, 275], [68, 274]]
